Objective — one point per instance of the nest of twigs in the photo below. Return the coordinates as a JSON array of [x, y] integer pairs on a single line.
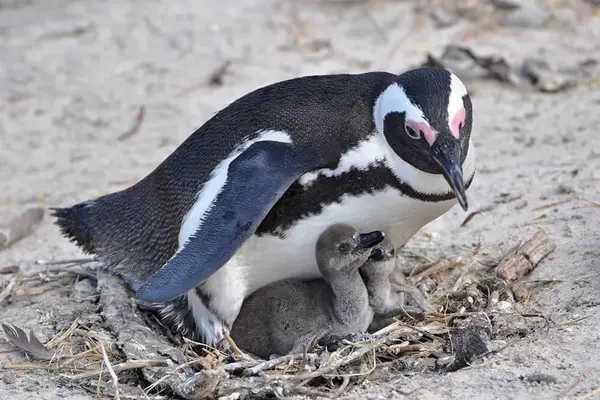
[[123, 357]]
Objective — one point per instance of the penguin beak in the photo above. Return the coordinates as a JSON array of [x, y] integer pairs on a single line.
[[376, 254], [368, 240], [447, 155]]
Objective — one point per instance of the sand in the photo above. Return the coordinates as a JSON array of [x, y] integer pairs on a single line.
[[74, 74]]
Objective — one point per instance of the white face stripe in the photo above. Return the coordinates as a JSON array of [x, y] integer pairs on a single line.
[[457, 92], [214, 185], [394, 99]]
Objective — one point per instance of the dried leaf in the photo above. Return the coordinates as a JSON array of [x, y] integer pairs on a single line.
[[30, 345], [474, 213], [136, 124]]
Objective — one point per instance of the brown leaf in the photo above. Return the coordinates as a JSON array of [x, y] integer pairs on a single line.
[[30, 345]]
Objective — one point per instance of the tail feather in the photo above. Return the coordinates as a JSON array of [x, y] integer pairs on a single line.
[[73, 224], [130, 231]]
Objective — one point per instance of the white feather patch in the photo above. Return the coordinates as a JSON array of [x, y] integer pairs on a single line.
[[360, 157], [457, 92], [394, 99], [215, 184]]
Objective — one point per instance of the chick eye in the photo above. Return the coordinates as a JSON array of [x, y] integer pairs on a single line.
[[344, 247], [392, 252], [411, 132]]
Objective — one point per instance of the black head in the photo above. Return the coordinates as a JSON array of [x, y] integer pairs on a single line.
[[384, 251], [425, 117], [380, 263]]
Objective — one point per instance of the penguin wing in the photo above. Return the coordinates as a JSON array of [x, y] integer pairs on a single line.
[[256, 179]]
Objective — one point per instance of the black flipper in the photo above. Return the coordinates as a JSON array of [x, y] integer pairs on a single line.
[[256, 179]]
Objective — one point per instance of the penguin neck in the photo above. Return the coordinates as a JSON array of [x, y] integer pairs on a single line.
[[350, 295], [425, 183], [377, 283]]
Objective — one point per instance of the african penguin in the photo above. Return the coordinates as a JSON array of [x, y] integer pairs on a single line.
[[286, 316], [241, 202]]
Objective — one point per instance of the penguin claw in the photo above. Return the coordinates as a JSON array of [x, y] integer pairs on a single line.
[[334, 342]]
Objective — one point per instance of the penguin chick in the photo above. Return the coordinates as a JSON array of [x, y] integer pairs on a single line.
[[285, 317], [386, 299], [386, 293]]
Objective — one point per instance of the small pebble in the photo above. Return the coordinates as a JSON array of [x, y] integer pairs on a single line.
[[9, 378], [507, 4], [503, 306], [443, 362], [565, 188], [444, 18], [539, 378], [528, 14]]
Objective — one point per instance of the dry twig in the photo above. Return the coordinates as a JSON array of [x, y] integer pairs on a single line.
[[277, 361], [125, 366], [572, 386], [113, 375], [365, 349], [589, 395], [8, 289], [235, 346], [136, 125]]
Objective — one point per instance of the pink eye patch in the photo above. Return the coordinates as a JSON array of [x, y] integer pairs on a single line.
[[457, 122], [422, 129]]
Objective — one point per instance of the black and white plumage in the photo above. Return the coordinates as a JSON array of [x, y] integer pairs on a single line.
[[241, 202]]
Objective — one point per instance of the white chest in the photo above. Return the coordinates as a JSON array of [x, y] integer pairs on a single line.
[[268, 259]]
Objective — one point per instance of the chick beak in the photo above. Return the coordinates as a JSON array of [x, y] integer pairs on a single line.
[[446, 152], [368, 240]]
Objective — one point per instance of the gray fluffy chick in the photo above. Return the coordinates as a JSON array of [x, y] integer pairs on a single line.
[[285, 317], [387, 287]]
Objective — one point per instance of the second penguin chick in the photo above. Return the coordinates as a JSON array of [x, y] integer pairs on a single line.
[[384, 298], [285, 317]]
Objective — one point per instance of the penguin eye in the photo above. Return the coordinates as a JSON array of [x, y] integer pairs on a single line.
[[344, 247], [411, 132]]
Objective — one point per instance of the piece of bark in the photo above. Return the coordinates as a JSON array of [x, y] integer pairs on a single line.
[[138, 341], [520, 263], [20, 226]]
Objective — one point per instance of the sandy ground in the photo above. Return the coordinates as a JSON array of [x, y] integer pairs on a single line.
[[74, 73]]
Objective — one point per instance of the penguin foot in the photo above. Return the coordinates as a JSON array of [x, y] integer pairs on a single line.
[[333, 343]]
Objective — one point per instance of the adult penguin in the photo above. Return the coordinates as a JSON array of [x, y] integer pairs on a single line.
[[241, 202]]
